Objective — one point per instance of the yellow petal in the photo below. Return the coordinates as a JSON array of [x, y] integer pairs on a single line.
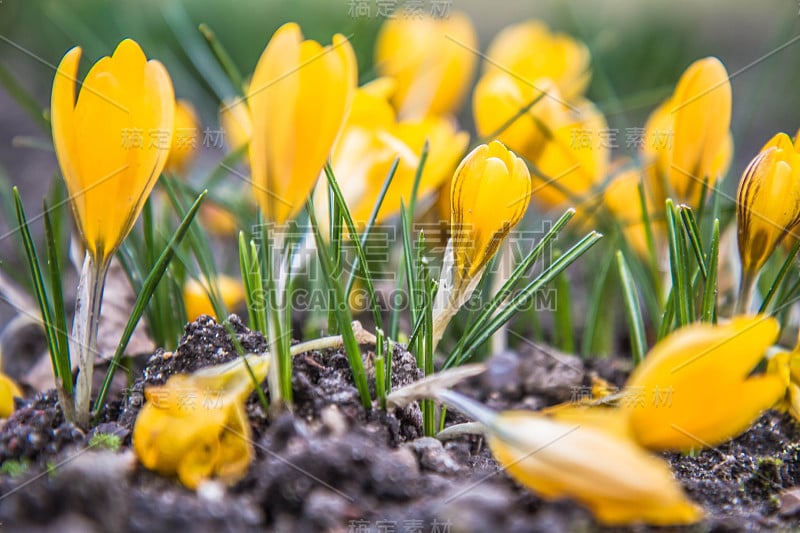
[[611, 475], [8, 391], [693, 389]]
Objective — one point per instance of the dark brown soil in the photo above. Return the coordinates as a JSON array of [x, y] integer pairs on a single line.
[[332, 466]]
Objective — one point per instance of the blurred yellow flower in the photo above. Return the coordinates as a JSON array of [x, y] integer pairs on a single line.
[[496, 105], [573, 455], [113, 143], [621, 198], [432, 61], [195, 425], [529, 50], [574, 159], [786, 366], [234, 117], [197, 302], [298, 99], [768, 201], [185, 138], [217, 220], [695, 388], [371, 141], [490, 192], [8, 391], [687, 140]]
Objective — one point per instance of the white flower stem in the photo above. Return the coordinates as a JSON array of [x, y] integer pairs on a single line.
[[84, 332]]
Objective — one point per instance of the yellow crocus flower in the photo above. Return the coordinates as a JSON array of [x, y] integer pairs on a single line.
[[687, 139], [768, 201], [185, 138], [574, 158], [373, 139], [531, 51], [695, 388], [8, 391], [432, 60], [113, 143], [498, 101], [571, 455], [195, 426], [197, 302], [234, 117], [490, 192], [298, 99]]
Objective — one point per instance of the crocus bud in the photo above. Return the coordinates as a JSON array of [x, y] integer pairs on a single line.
[[298, 99], [490, 192], [768, 201]]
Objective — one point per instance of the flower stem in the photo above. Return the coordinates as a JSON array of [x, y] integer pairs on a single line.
[[746, 286], [84, 332]]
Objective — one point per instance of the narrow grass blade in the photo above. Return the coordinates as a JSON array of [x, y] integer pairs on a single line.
[[480, 335], [693, 231], [24, 98], [148, 288], [373, 216], [522, 268], [223, 57], [711, 289], [208, 70], [668, 316], [679, 266], [359, 249], [596, 313], [41, 292], [428, 407], [563, 315], [632, 310], [342, 309], [56, 291], [787, 265]]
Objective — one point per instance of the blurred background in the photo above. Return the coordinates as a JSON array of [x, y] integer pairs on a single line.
[[639, 48]]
